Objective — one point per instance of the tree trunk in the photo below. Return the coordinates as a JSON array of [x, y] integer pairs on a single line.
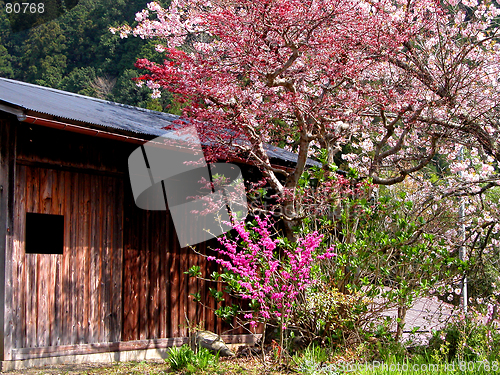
[[289, 233], [401, 321]]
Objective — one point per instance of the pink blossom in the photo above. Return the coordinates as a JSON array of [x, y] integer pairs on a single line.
[[273, 276]]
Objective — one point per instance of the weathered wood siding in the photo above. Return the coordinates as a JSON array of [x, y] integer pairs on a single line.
[[157, 293], [74, 297], [7, 264], [121, 275]]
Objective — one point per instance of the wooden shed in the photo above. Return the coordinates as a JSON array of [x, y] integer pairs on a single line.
[[84, 271]]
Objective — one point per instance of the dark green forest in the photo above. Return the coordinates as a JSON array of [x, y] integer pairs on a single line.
[[74, 51]]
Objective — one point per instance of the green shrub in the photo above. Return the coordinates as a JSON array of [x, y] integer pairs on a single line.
[[329, 314], [468, 340]]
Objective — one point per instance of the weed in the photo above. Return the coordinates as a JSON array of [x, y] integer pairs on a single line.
[[183, 357], [179, 357], [311, 359]]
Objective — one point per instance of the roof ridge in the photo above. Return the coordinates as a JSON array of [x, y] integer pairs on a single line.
[[68, 93]]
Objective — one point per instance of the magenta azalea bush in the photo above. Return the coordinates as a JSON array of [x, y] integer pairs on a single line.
[[269, 270]]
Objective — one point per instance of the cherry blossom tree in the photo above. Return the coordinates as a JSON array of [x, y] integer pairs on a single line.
[[399, 81], [392, 88]]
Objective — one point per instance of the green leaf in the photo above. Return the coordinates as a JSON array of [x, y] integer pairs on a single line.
[[194, 271], [218, 295], [196, 296], [352, 173]]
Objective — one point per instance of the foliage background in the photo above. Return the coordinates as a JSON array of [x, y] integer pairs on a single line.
[[76, 52]]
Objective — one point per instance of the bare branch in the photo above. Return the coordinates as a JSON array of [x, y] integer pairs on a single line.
[[405, 172]]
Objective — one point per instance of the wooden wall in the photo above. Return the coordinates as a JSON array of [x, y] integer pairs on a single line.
[[7, 179], [120, 276], [156, 291], [74, 297]]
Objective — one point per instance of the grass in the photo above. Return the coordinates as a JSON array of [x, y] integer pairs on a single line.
[[420, 368], [226, 366], [254, 367], [313, 360], [180, 358]]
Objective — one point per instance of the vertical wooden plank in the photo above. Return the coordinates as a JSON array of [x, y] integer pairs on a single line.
[[7, 198], [16, 271], [105, 262], [120, 200], [183, 289], [84, 258], [202, 263], [102, 253], [29, 274], [41, 301], [154, 260], [117, 251], [50, 207], [78, 258], [95, 248], [31, 263], [199, 308], [212, 302], [66, 297], [130, 270], [20, 233], [144, 276], [43, 267], [73, 259], [174, 282], [218, 320], [58, 209], [15, 276], [30, 300], [163, 279], [192, 288]]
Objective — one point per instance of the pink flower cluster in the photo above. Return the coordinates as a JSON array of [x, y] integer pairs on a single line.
[[268, 270]]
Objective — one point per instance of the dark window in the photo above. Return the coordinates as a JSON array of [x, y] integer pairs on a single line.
[[44, 233]]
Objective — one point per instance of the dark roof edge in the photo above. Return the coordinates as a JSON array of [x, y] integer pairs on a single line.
[[68, 93]]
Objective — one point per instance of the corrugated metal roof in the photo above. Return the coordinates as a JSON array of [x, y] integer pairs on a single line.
[[83, 108], [66, 105]]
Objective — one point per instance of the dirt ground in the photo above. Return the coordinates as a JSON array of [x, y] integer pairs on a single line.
[[146, 367]]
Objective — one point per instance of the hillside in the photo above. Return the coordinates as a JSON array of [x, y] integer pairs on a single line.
[[76, 52]]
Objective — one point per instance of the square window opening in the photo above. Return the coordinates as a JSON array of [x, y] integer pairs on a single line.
[[44, 233]]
